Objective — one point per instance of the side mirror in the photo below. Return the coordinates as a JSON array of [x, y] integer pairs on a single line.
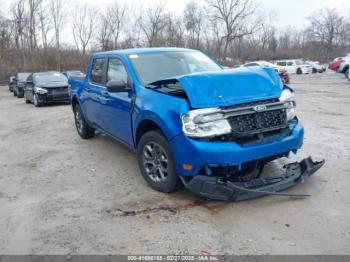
[[116, 86]]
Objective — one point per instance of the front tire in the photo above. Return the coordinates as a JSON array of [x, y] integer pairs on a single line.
[[36, 101], [299, 71], [84, 130], [156, 162]]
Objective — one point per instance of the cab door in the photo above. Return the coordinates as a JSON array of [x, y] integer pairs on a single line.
[[117, 106], [92, 91]]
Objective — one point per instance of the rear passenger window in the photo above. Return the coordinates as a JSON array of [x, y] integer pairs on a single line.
[[290, 63], [116, 70], [281, 63], [97, 70]]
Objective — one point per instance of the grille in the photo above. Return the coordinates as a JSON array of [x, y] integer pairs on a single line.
[[258, 122], [59, 90]]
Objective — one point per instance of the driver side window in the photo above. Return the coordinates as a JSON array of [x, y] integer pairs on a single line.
[[116, 70], [97, 71]]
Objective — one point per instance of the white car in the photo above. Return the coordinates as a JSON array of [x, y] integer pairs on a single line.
[[280, 70], [316, 67], [263, 64], [294, 66], [344, 66]]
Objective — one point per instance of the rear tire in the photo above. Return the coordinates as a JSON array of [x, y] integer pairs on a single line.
[[25, 99], [156, 162], [299, 71], [84, 130]]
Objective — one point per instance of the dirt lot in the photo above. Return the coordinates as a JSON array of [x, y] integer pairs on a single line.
[[63, 195]]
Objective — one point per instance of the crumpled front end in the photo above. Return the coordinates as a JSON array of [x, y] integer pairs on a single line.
[[226, 189], [238, 120]]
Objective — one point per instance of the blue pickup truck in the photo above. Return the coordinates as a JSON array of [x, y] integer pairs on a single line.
[[193, 123]]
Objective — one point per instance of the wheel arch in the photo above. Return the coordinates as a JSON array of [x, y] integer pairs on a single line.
[[75, 101], [145, 126]]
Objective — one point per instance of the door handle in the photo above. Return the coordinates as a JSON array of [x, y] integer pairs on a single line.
[[105, 94], [88, 89]]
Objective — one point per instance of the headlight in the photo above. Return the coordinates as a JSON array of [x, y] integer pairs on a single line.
[[205, 123], [40, 90], [287, 97]]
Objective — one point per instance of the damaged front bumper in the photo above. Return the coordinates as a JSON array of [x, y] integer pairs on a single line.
[[223, 189]]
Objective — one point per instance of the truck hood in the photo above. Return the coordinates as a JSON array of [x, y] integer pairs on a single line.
[[230, 87], [53, 84]]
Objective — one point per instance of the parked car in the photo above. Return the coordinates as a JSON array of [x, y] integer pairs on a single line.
[[75, 74], [19, 84], [11, 83], [344, 66], [316, 67], [46, 87], [294, 66], [192, 122], [281, 72], [334, 65]]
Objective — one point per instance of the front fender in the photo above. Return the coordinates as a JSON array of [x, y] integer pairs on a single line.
[[163, 109], [151, 116]]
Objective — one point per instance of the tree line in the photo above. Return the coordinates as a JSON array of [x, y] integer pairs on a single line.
[[232, 31]]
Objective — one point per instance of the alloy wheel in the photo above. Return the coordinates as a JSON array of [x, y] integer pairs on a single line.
[[79, 121], [155, 162]]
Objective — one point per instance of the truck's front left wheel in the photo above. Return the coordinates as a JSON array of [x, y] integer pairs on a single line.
[[83, 128], [156, 162]]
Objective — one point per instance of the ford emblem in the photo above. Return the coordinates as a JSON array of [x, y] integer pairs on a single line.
[[259, 108]]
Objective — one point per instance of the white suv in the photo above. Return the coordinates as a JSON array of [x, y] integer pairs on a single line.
[[294, 66]]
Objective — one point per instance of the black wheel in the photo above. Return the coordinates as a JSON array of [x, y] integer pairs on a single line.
[[36, 100], [299, 72], [347, 73], [84, 130], [156, 162], [314, 70]]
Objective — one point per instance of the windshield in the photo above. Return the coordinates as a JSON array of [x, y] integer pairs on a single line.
[[266, 64], [49, 77], [75, 73], [158, 66], [22, 76]]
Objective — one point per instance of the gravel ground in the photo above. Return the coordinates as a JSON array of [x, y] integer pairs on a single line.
[[63, 195]]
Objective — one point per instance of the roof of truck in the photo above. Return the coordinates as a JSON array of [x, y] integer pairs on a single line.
[[143, 50]]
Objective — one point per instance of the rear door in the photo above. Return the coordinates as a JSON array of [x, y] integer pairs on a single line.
[[117, 106], [95, 85]]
